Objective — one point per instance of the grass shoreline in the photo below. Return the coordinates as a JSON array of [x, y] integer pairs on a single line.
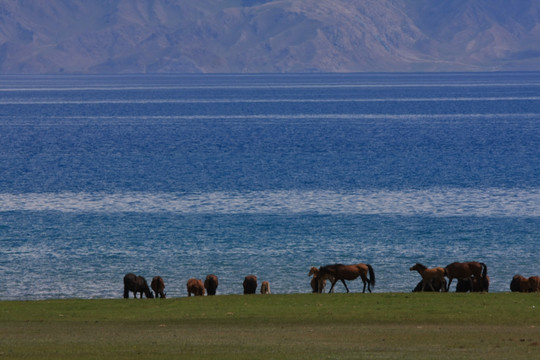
[[295, 326]]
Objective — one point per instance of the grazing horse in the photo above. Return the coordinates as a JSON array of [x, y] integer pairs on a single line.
[[265, 287], [348, 272], [195, 287], [472, 284], [318, 284], [437, 285], [250, 284], [158, 286], [211, 283], [136, 284], [519, 284], [522, 284], [534, 284], [429, 275], [458, 270]]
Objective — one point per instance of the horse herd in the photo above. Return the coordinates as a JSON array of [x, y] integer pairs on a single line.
[[471, 276], [138, 284]]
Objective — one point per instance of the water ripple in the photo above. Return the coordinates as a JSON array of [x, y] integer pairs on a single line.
[[491, 202]]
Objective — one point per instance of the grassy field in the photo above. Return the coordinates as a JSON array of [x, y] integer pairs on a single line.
[[302, 326]]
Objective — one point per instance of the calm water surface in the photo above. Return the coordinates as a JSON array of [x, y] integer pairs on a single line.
[[185, 175]]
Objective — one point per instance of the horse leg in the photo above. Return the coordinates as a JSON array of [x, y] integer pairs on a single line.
[[343, 281], [332, 287], [365, 280], [449, 282]]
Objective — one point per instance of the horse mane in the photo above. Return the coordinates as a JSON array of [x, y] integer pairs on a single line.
[[325, 268], [424, 267]]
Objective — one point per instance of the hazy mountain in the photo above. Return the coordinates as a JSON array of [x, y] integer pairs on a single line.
[[137, 36]]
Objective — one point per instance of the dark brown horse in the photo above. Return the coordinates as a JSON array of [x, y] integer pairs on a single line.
[[158, 286], [522, 284], [136, 284], [472, 284], [348, 272], [429, 276], [250, 284], [534, 284], [211, 283], [463, 270], [437, 286], [195, 287], [519, 284]]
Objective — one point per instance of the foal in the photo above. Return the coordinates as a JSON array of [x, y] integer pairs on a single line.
[[428, 275]]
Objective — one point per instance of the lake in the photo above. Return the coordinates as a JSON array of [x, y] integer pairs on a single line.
[[186, 175]]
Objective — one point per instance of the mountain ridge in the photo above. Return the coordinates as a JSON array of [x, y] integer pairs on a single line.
[[242, 36]]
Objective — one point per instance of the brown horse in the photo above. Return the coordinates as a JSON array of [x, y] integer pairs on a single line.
[[211, 283], [437, 285], [348, 272], [519, 284], [265, 288], [429, 275], [318, 284], [250, 284], [195, 287], [472, 284], [462, 270], [522, 284], [534, 284], [158, 286], [136, 284]]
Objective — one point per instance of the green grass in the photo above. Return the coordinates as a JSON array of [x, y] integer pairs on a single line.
[[302, 326]]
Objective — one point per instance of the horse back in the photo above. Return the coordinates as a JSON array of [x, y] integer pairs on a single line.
[[466, 269], [345, 272]]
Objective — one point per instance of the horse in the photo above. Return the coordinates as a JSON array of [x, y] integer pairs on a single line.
[[250, 284], [519, 284], [534, 284], [158, 286], [522, 284], [317, 284], [472, 284], [211, 283], [195, 287], [457, 270], [437, 285], [265, 288], [429, 275], [136, 284], [347, 272]]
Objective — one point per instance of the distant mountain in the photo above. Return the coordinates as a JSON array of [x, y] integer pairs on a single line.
[[159, 36]]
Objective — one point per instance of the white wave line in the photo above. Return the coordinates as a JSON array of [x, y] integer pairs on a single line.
[[331, 116], [266, 86], [285, 100], [491, 202]]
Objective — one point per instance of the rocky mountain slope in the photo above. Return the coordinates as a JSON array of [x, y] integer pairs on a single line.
[[149, 36]]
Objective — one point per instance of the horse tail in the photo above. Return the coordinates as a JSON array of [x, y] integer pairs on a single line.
[[484, 271], [371, 275]]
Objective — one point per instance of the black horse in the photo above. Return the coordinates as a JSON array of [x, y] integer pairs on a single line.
[[136, 284]]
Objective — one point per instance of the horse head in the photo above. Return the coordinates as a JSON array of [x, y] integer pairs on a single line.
[[418, 267]]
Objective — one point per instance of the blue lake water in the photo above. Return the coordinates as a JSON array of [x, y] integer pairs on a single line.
[[186, 175]]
